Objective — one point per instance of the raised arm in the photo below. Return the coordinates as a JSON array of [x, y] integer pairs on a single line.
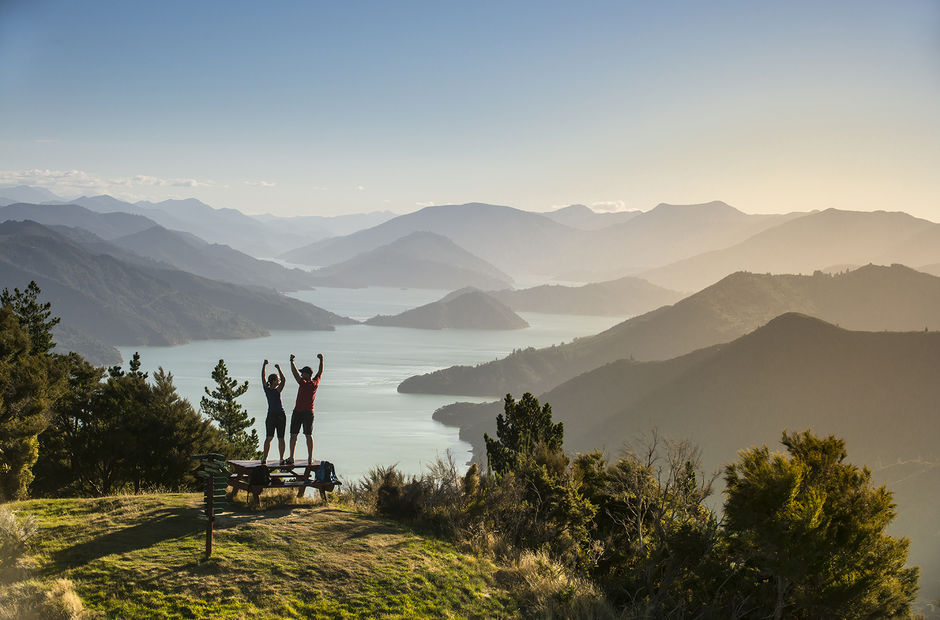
[[320, 371], [280, 387], [264, 375], [293, 369]]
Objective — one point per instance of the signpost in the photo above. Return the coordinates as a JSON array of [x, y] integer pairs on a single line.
[[213, 470]]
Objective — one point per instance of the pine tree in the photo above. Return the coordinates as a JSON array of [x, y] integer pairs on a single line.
[[35, 317], [221, 405]]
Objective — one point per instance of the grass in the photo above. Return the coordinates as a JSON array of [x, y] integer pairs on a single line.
[[143, 556]]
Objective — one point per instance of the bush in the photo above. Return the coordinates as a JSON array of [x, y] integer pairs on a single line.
[[15, 537], [40, 600]]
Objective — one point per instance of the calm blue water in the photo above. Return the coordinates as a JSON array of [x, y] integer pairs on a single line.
[[361, 420]]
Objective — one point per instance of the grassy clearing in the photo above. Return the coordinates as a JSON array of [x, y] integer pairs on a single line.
[[142, 556]]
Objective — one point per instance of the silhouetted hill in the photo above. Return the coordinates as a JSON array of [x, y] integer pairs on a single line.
[[585, 218], [803, 245], [513, 240], [145, 238], [211, 260], [661, 236], [25, 193], [118, 303], [105, 225], [872, 298], [622, 297], [877, 390], [224, 226], [470, 310], [417, 260]]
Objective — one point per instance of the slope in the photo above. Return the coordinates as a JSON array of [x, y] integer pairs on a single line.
[[803, 245], [417, 260], [513, 240], [877, 390], [140, 556], [622, 297], [873, 298], [470, 310], [211, 260], [119, 303]]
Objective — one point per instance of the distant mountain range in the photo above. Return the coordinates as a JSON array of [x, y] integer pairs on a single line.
[[495, 233], [663, 235], [514, 241], [872, 297], [121, 235], [585, 218], [260, 236], [468, 310], [809, 243], [116, 302], [622, 297], [417, 260], [877, 390]]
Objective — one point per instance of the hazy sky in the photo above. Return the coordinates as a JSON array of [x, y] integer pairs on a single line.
[[332, 107]]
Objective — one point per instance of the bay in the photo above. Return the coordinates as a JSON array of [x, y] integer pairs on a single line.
[[361, 420]]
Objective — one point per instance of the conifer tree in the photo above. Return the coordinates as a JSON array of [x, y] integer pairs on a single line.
[[35, 317], [221, 405]]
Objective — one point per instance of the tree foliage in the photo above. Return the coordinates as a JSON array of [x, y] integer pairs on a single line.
[[121, 434], [35, 317], [30, 380], [807, 530], [534, 481], [221, 405], [658, 541]]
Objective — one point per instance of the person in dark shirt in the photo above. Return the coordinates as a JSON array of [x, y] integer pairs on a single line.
[[302, 417], [276, 419]]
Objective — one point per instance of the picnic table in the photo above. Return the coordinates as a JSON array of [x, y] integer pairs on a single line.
[[297, 475]]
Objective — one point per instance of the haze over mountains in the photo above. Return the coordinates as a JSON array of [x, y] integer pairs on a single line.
[[872, 298], [758, 348], [117, 302], [815, 241], [417, 260]]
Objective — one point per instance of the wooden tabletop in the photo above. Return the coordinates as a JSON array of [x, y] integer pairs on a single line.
[[274, 464]]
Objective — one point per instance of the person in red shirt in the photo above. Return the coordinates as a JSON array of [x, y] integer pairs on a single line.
[[302, 417]]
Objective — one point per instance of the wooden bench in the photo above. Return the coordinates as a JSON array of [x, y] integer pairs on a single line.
[[298, 475]]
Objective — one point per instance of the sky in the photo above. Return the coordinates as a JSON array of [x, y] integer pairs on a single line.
[[326, 108]]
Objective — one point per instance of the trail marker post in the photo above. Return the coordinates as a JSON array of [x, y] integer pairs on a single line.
[[213, 470]]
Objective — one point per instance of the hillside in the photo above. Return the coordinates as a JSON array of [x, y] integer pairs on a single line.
[[623, 297], [877, 390], [140, 556], [120, 303], [585, 218], [661, 236], [492, 232], [211, 260], [471, 310], [869, 298], [803, 245], [225, 226], [105, 225], [417, 260]]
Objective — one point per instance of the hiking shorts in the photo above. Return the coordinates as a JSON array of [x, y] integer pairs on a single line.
[[301, 418], [275, 422]]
